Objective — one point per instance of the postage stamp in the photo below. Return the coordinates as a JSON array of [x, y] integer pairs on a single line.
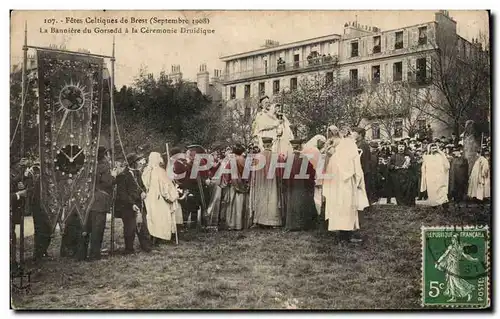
[[455, 266]]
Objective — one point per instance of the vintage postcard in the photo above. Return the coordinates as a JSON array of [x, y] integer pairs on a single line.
[[221, 160]]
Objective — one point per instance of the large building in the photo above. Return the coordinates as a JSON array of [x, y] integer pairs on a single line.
[[361, 53]]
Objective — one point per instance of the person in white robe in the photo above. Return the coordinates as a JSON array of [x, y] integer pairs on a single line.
[[479, 180], [343, 186], [284, 133], [265, 124], [312, 149], [161, 198], [435, 175]]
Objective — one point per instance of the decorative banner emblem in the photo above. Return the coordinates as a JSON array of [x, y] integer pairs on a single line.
[[70, 96]]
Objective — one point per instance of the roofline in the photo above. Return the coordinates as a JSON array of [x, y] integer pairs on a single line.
[[279, 47]]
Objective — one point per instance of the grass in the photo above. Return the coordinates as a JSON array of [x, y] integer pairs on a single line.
[[253, 269]]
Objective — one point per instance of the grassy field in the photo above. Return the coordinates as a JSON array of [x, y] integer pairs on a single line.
[[254, 269]]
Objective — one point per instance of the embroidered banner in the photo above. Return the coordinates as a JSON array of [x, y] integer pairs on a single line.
[[70, 96]]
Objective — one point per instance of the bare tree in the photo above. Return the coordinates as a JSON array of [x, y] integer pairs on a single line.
[[459, 71], [320, 100], [397, 105], [235, 125]]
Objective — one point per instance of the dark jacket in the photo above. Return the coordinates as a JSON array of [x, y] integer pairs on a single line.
[[129, 187], [103, 188], [366, 156]]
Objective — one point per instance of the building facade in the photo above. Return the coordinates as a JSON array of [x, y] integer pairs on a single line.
[[361, 53]]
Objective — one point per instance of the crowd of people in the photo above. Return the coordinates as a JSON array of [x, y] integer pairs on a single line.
[[279, 181]]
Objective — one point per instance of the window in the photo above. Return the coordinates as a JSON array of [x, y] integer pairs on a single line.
[[293, 84], [296, 61], [397, 71], [398, 129], [422, 35], [375, 131], [329, 77], [376, 74], [376, 44], [276, 86], [262, 88], [354, 49], [421, 70], [247, 91], [232, 92], [353, 76], [398, 44]]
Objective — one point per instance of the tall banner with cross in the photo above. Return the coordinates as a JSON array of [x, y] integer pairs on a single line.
[[70, 90]]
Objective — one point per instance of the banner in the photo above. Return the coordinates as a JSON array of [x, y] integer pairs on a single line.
[[70, 90]]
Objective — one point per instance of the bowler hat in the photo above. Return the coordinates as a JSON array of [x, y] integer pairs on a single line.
[[133, 158], [267, 140]]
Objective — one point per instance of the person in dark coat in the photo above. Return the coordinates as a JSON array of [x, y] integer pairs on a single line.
[[15, 199], [374, 184], [41, 220], [403, 176], [101, 206], [130, 193], [358, 134], [300, 209], [458, 184]]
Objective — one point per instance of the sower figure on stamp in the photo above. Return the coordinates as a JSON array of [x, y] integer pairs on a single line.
[[449, 262], [130, 193], [96, 220]]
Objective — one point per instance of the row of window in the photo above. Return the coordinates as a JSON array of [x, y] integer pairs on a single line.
[[398, 43], [276, 87], [397, 72], [398, 128], [397, 75]]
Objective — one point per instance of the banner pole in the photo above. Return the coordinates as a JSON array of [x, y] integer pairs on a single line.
[[23, 151], [112, 141]]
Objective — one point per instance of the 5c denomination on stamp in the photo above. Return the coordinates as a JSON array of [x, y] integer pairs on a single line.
[[455, 266]]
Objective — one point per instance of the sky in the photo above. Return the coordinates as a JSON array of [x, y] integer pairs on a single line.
[[235, 32]]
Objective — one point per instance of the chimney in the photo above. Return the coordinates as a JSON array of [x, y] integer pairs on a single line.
[[175, 74], [202, 79], [216, 78]]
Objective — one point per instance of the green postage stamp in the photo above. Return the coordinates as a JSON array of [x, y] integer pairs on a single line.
[[455, 267]]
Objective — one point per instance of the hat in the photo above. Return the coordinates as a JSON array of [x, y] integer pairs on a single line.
[[374, 144], [132, 158], [267, 140], [263, 98], [296, 141]]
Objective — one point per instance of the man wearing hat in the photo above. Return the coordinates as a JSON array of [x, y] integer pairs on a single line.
[[103, 196], [130, 193]]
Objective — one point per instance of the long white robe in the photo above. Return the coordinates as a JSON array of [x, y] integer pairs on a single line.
[[435, 178], [479, 181], [344, 191], [282, 144], [264, 126], [161, 199]]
